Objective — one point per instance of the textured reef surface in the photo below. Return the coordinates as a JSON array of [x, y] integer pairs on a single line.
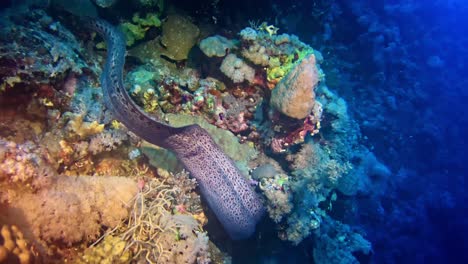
[[206, 134]]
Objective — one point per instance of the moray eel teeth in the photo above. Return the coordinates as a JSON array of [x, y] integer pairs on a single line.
[[226, 190]]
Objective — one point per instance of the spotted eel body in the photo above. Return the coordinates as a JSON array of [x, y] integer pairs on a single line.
[[226, 190]]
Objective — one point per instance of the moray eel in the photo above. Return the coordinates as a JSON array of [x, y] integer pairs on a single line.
[[225, 189]]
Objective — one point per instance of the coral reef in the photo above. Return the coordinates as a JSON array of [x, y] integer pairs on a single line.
[[262, 97], [161, 158], [82, 128], [326, 165], [53, 136]]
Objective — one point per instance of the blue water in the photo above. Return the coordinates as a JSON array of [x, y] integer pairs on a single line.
[[407, 84]]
